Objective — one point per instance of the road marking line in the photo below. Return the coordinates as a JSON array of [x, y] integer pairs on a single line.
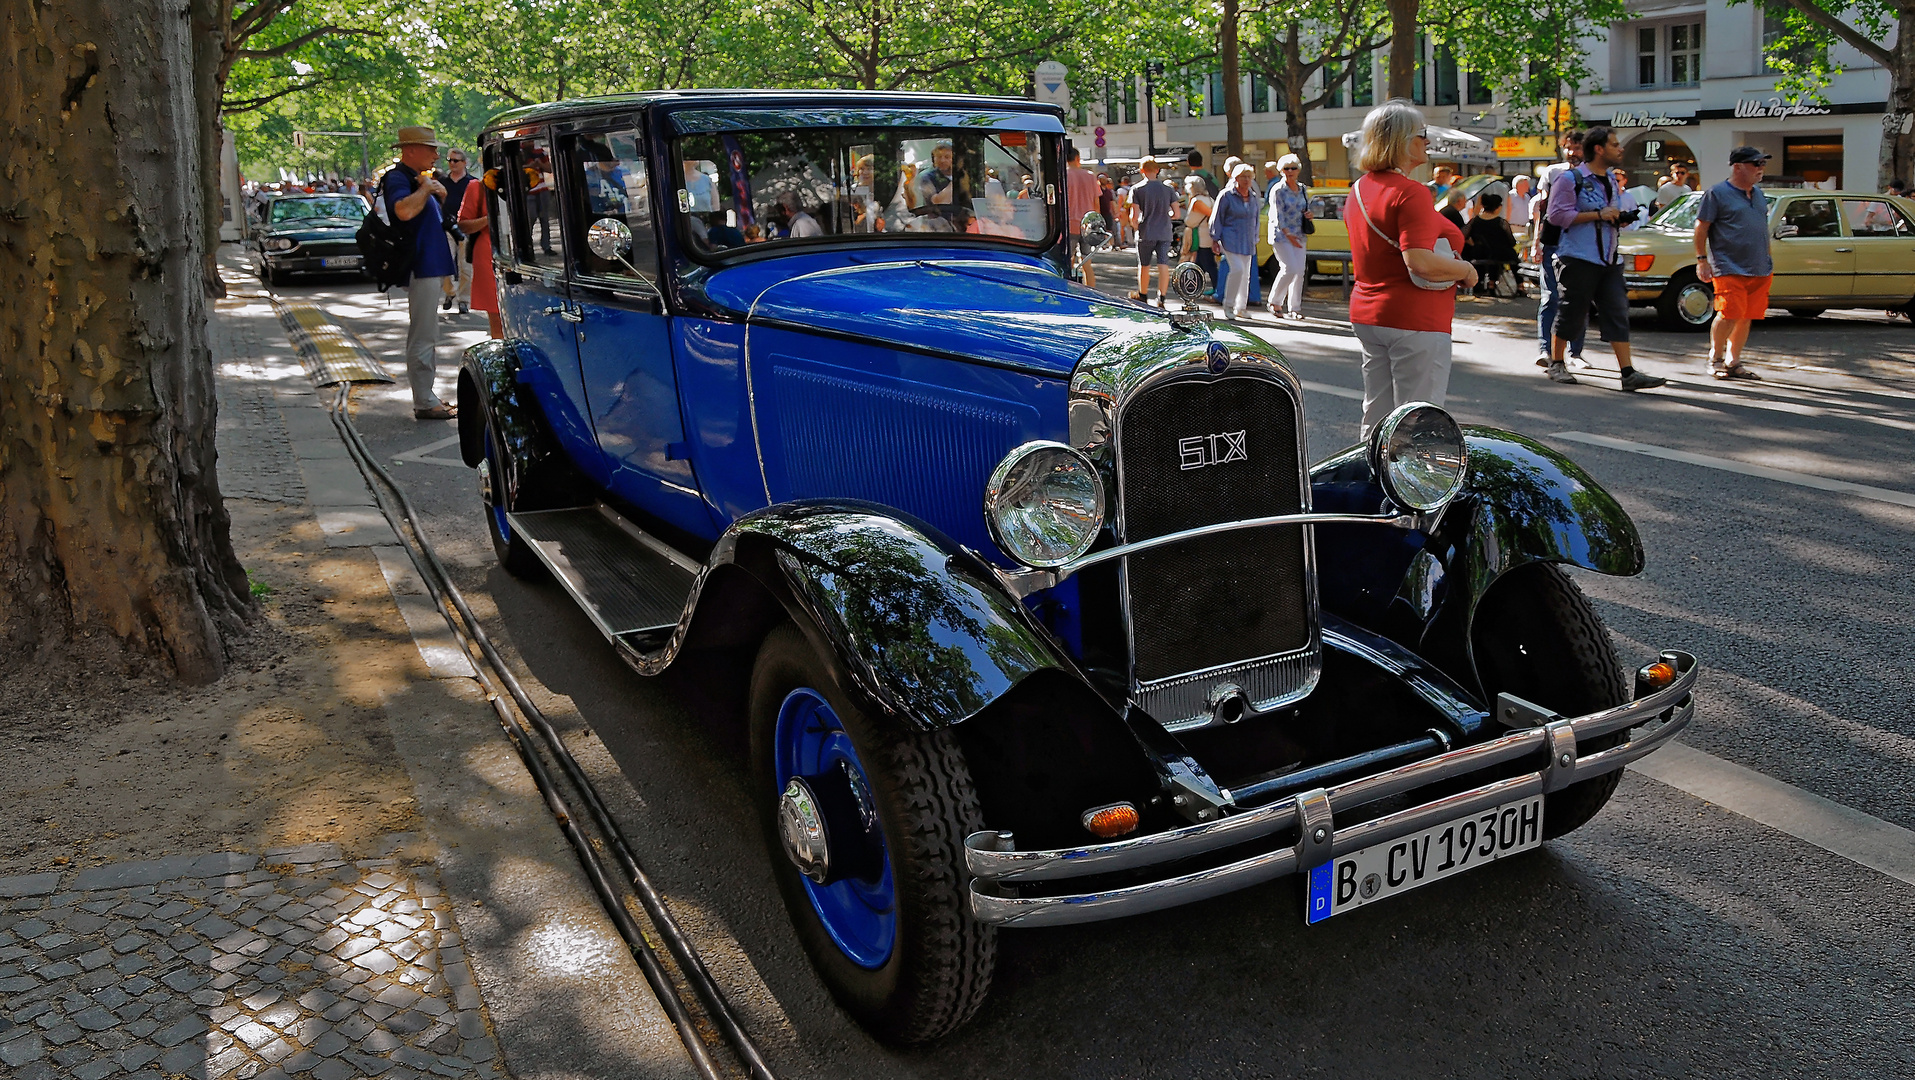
[[1808, 480], [1840, 830], [1333, 390], [1794, 408], [421, 454]]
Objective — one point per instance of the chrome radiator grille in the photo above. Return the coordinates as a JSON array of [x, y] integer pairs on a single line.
[[1235, 608]]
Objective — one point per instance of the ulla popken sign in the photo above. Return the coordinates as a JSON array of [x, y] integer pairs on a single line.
[[1646, 119], [1776, 109]]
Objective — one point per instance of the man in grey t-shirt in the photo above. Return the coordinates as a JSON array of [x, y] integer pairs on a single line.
[[1153, 205], [1732, 254]]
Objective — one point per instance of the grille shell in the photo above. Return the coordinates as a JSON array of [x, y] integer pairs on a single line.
[[1236, 608]]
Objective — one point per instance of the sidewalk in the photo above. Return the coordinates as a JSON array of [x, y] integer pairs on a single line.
[[330, 864]]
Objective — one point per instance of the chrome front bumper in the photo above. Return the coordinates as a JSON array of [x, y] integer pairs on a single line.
[[992, 857]]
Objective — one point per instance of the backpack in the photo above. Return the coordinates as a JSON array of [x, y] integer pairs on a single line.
[[388, 247]]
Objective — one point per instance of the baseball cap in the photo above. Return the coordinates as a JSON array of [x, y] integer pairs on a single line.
[[1747, 155]]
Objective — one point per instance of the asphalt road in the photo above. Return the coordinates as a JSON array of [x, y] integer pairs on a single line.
[[1669, 937]]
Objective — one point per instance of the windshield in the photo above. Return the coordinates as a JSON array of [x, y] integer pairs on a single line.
[[1680, 214], [342, 206], [745, 188]]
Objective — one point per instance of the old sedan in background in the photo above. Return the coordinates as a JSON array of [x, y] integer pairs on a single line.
[[1832, 249], [309, 234]]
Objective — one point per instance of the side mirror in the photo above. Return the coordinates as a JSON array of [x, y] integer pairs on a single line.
[[1783, 232], [1093, 226], [610, 239]]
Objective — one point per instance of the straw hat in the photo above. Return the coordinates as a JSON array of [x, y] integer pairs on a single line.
[[417, 136]]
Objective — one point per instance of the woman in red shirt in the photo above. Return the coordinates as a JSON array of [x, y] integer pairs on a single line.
[[1405, 258], [475, 220]]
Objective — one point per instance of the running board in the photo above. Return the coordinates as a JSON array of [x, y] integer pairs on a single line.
[[626, 580]]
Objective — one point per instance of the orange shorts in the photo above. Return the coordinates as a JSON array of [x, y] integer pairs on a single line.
[[1741, 297]]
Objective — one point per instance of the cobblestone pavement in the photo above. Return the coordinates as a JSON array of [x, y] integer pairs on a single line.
[[229, 965], [255, 453]]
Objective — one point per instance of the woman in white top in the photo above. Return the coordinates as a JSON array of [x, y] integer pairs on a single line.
[[1288, 207], [1198, 206]]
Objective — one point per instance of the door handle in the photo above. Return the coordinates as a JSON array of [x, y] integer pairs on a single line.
[[566, 313], [1845, 249]]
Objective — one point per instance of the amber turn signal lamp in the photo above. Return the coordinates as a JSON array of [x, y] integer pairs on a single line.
[[1110, 822], [1656, 676], [1644, 262]]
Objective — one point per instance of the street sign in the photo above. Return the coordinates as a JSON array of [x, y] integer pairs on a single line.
[[1049, 82], [1099, 132], [1099, 141]]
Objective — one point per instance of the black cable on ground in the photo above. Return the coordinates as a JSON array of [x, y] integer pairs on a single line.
[[438, 581]]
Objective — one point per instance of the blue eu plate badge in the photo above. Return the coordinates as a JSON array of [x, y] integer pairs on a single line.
[[1349, 881]]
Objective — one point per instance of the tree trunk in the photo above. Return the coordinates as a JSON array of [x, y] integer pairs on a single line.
[[1232, 75], [1403, 56], [1898, 141], [211, 65], [111, 522], [1297, 129]]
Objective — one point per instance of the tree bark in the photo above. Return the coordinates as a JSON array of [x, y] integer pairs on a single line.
[[212, 24], [1403, 15], [1897, 158], [111, 521], [1232, 75]]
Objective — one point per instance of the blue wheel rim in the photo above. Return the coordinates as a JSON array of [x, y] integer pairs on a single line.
[[860, 916]]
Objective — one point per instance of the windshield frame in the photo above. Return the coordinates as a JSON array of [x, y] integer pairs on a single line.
[[855, 127]]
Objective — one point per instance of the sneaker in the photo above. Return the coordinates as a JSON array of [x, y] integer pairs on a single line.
[[1636, 380], [1579, 363], [1560, 374], [1542, 359], [446, 304], [465, 309]]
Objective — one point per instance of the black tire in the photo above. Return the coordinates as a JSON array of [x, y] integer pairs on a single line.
[[1687, 303], [1806, 312], [940, 969], [514, 551], [1538, 637]]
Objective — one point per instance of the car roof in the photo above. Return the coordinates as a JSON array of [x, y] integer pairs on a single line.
[[556, 110]]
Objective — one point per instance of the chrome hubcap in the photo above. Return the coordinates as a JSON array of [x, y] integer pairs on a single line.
[[802, 828], [1695, 304]]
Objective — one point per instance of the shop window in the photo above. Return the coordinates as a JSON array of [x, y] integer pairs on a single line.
[[1259, 93]]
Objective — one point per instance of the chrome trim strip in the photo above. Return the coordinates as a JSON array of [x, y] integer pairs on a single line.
[[997, 910], [986, 857], [1400, 521], [677, 558]]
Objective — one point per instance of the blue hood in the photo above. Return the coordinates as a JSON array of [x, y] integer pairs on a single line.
[[998, 311]]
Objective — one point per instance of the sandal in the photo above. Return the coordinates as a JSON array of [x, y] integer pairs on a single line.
[[441, 411]]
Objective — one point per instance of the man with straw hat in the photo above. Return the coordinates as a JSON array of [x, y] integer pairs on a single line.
[[409, 194]]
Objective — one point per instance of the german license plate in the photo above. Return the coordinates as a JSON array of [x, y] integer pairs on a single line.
[[1376, 873], [340, 260]]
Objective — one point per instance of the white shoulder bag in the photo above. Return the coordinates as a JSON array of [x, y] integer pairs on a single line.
[[1442, 247]]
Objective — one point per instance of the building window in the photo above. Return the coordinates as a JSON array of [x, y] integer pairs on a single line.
[[1479, 90], [1363, 82], [1334, 98], [1217, 97], [1445, 76], [1259, 93], [1130, 101], [1419, 92], [1775, 28], [1669, 54]]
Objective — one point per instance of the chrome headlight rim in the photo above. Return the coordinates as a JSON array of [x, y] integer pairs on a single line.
[[1387, 458], [279, 244], [998, 488]]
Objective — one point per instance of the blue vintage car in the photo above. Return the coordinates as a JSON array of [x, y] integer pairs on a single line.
[[1034, 606]]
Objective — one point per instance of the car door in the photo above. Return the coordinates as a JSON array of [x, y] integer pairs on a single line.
[[535, 303], [1817, 260], [624, 336], [1884, 250]]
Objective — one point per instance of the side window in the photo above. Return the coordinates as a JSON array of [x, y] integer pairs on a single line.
[[504, 239], [1874, 217], [534, 199], [612, 183], [1812, 217]]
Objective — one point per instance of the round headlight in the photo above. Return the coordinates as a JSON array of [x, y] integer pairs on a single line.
[[1044, 504], [278, 243], [1419, 457]]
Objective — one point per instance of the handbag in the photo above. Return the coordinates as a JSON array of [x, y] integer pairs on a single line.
[[1442, 244]]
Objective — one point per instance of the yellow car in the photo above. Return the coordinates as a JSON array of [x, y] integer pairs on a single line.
[[1326, 211], [1832, 249]]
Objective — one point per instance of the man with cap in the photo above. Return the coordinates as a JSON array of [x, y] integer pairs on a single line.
[[410, 194], [1732, 254]]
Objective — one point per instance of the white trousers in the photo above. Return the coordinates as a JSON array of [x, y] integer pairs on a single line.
[[1237, 285], [1287, 293], [422, 338], [1401, 366]]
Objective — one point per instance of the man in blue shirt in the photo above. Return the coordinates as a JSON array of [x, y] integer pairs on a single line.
[[409, 196], [1732, 254], [1588, 206]]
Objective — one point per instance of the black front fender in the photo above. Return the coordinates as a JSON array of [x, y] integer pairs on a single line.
[[1522, 503], [493, 390], [920, 629]]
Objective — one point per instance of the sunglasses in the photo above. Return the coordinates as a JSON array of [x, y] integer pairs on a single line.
[[1424, 135], [1291, 168]]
